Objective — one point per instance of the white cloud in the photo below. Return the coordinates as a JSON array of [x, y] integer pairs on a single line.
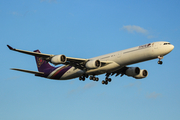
[[89, 85], [73, 91], [136, 85], [22, 14], [137, 29], [134, 28], [82, 89], [153, 95], [16, 13], [150, 36], [13, 78]]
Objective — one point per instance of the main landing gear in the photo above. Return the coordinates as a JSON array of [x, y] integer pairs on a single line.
[[91, 78], [160, 62], [94, 78], [107, 79], [83, 77]]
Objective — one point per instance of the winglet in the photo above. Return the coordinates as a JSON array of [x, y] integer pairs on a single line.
[[11, 48]]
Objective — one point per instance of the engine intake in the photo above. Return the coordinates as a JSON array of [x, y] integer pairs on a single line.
[[93, 64], [58, 59], [142, 74], [136, 72]]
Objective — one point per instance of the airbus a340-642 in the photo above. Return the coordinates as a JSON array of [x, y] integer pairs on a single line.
[[110, 64]]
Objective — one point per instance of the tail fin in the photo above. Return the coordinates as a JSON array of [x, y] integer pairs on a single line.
[[42, 64]]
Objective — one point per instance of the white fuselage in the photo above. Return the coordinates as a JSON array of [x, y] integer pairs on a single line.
[[123, 58]]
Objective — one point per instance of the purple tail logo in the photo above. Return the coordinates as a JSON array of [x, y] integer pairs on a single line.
[[42, 65], [40, 61]]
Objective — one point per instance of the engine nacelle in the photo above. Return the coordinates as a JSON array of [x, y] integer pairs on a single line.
[[142, 74], [132, 71], [58, 59], [93, 64]]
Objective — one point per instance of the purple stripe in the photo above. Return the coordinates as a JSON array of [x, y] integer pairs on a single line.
[[58, 71], [61, 73], [47, 72]]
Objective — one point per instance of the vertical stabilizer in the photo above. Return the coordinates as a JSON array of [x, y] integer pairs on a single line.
[[42, 64]]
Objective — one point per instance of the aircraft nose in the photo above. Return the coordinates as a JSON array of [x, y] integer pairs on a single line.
[[172, 47]]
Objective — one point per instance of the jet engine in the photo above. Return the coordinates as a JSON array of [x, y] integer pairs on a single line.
[[58, 59], [142, 74], [136, 72], [93, 64], [132, 71]]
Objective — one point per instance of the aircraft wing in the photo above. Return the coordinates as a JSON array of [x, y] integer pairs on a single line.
[[76, 62], [28, 71], [45, 56], [31, 53], [120, 71]]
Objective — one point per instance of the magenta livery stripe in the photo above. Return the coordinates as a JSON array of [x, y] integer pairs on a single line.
[[59, 73], [53, 76]]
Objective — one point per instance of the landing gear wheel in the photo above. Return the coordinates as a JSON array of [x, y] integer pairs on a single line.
[[109, 79], [94, 78], [86, 76], [82, 78], [106, 82], [103, 82], [91, 78], [160, 62], [160, 58]]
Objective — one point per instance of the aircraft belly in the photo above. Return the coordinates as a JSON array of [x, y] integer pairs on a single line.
[[72, 73], [105, 69]]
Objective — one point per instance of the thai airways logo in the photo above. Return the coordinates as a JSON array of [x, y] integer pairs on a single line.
[[145, 46], [40, 61]]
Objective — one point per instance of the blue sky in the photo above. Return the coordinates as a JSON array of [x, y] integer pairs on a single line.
[[86, 29]]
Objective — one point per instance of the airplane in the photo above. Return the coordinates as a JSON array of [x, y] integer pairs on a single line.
[[110, 64]]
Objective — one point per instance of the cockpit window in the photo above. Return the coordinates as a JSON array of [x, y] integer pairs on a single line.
[[167, 43]]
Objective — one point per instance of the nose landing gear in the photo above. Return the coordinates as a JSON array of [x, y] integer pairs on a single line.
[[160, 62]]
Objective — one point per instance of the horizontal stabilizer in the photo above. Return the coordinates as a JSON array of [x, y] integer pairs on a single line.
[[28, 71]]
